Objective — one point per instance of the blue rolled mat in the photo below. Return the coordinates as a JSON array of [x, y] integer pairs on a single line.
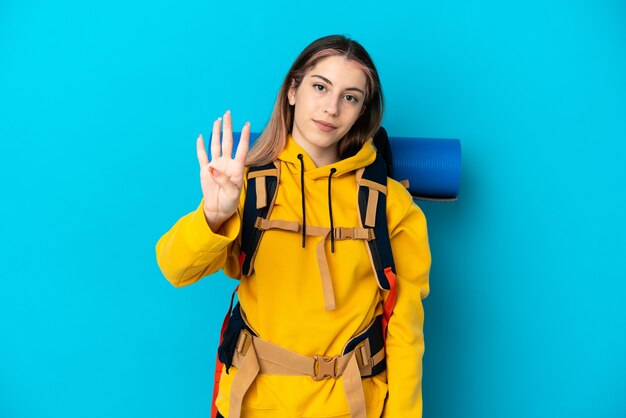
[[432, 166]]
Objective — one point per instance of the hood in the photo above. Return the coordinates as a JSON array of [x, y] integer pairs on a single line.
[[363, 158]]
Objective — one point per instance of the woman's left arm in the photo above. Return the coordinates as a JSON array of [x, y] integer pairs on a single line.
[[405, 332]]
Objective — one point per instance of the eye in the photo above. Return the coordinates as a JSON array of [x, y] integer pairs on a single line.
[[319, 87], [352, 99]]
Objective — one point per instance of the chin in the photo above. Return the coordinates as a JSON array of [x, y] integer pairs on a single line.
[[325, 141], [328, 138]]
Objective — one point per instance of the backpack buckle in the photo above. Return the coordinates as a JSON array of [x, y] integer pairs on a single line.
[[260, 223], [363, 354], [244, 340], [343, 233], [325, 367]]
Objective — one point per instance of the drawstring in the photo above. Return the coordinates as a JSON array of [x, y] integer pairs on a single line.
[[330, 205], [330, 212], [301, 158]]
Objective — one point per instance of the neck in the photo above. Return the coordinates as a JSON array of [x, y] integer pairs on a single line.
[[320, 156], [322, 159]]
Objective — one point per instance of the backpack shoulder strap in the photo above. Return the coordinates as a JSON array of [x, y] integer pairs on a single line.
[[262, 183], [373, 214], [372, 210], [383, 149]]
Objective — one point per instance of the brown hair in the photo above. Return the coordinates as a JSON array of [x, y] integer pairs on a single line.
[[273, 138]]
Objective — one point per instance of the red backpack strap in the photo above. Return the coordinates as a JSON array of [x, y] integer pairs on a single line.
[[390, 300]]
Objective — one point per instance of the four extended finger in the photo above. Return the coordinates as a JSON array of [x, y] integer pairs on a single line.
[[227, 136], [216, 149], [203, 158], [244, 142]]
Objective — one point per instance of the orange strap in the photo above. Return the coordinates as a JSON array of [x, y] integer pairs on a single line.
[[390, 302], [241, 259], [219, 366]]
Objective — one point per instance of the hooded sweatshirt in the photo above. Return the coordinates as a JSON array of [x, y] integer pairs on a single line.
[[283, 298]]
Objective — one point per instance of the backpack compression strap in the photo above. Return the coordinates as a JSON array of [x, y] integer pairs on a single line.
[[262, 183]]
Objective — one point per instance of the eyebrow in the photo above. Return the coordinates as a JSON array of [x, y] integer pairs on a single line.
[[331, 83]]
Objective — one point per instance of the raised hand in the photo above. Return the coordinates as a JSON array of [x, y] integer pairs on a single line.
[[221, 178]]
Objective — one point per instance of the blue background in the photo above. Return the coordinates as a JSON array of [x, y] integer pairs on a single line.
[[101, 103]]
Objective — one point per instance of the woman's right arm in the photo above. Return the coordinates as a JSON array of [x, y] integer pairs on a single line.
[[203, 241], [190, 250]]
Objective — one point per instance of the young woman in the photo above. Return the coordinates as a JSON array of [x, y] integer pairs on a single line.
[[310, 294]]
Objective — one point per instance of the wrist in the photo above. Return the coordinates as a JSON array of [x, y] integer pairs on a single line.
[[214, 222]]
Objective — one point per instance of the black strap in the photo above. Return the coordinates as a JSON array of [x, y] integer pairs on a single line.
[[380, 247], [383, 149], [250, 235]]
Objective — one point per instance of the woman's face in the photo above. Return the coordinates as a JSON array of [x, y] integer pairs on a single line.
[[327, 103]]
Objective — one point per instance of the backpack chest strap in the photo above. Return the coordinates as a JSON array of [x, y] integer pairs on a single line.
[[340, 233]]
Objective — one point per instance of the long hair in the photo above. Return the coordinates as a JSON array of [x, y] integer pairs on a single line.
[[273, 138]]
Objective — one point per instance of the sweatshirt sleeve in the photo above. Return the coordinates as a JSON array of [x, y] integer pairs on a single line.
[[190, 250], [405, 336]]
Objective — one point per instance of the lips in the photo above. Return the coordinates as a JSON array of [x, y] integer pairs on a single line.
[[326, 127]]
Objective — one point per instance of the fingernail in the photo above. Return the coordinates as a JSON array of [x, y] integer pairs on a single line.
[[220, 118], [200, 136], [247, 123], [228, 112]]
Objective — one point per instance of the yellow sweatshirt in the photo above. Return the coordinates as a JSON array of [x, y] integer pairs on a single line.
[[283, 298]]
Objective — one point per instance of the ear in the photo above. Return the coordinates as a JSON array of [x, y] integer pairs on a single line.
[[291, 93]]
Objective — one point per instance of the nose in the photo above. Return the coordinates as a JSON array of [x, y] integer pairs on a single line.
[[332, 105]]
